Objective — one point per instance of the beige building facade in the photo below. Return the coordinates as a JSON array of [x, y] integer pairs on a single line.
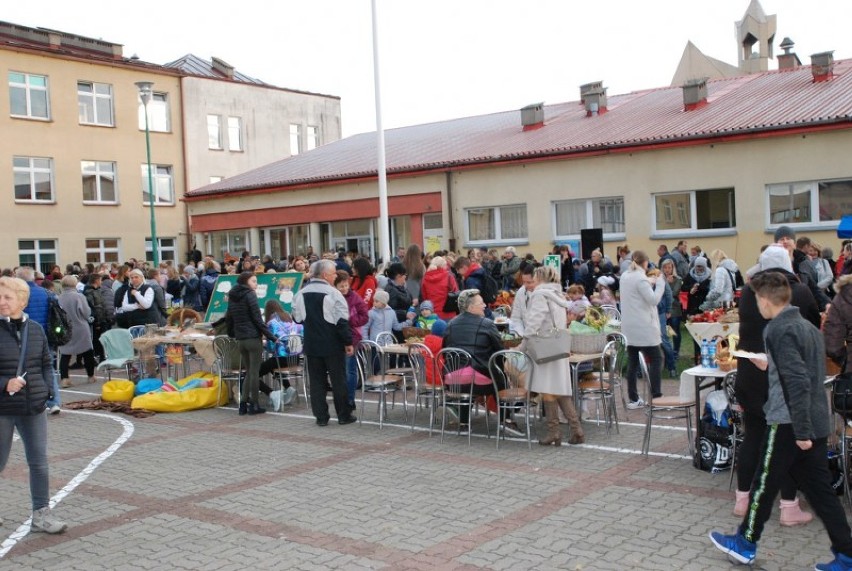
[[74, 154]]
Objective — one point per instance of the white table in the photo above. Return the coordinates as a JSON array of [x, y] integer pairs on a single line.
[[701, 331]]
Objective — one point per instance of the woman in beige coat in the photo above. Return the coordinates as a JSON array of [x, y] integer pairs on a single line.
[[546, 309]]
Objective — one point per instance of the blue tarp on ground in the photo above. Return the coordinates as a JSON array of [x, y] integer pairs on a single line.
[[844, 230]]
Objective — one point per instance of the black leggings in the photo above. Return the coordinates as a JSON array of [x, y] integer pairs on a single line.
[[88, 359], [748, 455]]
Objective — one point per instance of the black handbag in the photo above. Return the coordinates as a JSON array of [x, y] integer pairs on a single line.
[[451, 305], [842, 394]]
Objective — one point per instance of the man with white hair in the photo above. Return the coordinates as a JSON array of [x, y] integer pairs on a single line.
[[328, 340]]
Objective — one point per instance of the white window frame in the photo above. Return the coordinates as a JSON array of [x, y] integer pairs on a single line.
[[92, 98], [235, 134], [692, 230], [165, 178], [102, 250], [214, 179], [498, 240], [590, 217], [813, 202], [313, 139], [38, 251], [28, 91], [295, 139], [214, 132], [168, 251], [100, 171], [31, 170], [159, 116]]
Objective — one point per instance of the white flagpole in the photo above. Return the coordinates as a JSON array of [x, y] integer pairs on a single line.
[[384, 239]]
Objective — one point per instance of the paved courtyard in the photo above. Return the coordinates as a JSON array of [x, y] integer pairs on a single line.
[[212, 490]]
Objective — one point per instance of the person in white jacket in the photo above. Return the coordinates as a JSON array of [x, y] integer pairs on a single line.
[[547, 310], [723, 283], [640, 324]]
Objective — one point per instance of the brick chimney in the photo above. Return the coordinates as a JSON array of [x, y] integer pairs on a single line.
[[223, 67], [593, 98], [694, 94], [789, 59], [532, 116], [822, 66]]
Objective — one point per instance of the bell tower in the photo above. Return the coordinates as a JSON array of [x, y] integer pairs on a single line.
[[755, 36]]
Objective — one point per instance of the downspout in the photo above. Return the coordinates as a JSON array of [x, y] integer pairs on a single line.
[[186, 172], [450, 223]]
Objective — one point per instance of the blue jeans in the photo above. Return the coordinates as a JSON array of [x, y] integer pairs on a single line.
[[668, 352], [33, 433], [351, 377]]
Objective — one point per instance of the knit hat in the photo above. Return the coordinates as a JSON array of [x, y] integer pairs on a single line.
[[606, 280], [784, 232], [426, 304], [700, 261], [775, 257], [439, 328], [381, 296], [189, 270]]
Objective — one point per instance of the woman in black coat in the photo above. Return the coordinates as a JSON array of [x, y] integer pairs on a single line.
[[246, 326], [26, 371]]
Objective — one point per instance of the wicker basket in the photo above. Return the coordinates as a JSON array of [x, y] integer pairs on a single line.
[[726, 366], [587, 343], [512, 343]]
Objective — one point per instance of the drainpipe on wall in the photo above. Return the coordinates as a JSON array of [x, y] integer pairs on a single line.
[[450, 224]]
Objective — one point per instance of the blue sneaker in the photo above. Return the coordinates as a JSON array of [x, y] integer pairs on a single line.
[[841, 563], [735, 546]]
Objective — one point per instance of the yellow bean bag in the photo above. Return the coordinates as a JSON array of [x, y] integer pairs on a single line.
[[176, 397], [117, 391]]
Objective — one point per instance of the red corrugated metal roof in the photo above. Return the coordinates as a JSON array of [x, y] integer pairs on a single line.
[[765, 102]]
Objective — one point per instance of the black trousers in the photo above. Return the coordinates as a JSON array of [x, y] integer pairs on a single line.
[[88, 359], [655, 366], [328, 368], [809, 470], [748, 455]]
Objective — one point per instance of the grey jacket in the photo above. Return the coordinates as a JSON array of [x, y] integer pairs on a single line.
[[796, 355]]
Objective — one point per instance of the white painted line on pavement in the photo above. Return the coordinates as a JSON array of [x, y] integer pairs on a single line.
[[81, 477]]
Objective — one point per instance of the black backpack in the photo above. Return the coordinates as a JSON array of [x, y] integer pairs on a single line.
[[58, 324], [489, 288]]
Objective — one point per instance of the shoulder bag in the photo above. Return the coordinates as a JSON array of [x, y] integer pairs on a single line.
[[451, 304], [550, 345]]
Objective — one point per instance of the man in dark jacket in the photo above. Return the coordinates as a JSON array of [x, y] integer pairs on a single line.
[[328, 340], [752, 387], [208, 282], [798, 426]]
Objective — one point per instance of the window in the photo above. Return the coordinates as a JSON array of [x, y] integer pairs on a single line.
[[158, 113], [313, 137], [33, 179], [214, 132], [163, 188], [102, 250], [814, 202], [167, 248], [295, 139], [216, 179], [499, 224], [235, 134], [94, 103], [38, 254], [695, 210], [28, 95], [571, 216], [98, 182]]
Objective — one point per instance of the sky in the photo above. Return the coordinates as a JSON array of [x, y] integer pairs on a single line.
[[441, 59]]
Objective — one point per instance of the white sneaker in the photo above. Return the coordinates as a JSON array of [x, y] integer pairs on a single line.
[[43, 520], [275, 401], [287, 397], [633, 405], [54, 409]]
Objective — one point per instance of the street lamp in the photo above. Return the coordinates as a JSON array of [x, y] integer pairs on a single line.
[[145, 93]]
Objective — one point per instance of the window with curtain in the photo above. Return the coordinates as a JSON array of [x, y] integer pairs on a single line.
[[497, 224], [571, 216]]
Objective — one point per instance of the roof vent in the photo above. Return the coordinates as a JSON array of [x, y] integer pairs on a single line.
[[694, 94], [593, 98], [822, 66], [223, 67], [532, 116], [789, 59]]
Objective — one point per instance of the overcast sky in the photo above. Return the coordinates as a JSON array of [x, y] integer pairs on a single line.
[[441, 59]]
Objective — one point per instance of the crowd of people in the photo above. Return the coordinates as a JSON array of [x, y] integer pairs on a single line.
[[345, 298]]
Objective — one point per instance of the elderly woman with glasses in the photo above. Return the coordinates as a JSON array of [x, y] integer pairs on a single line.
[[477, 335]]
